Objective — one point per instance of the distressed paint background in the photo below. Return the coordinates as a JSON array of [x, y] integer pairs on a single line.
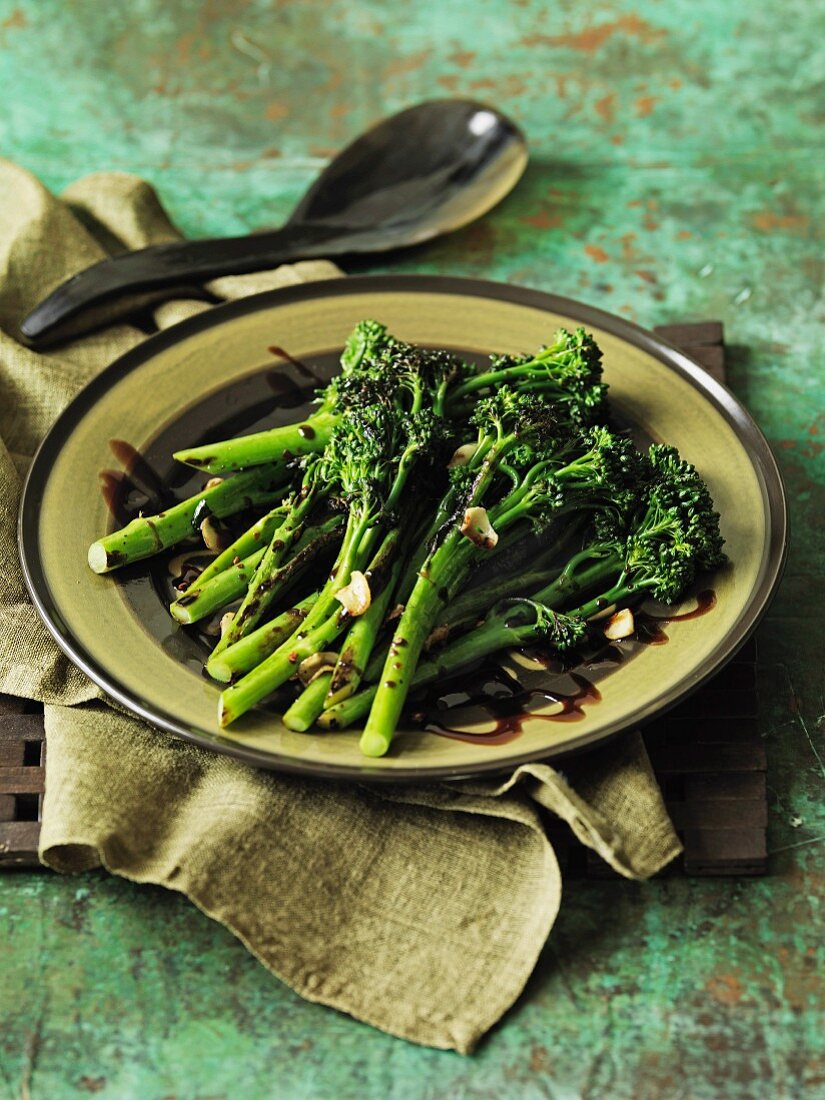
[[676, 173]]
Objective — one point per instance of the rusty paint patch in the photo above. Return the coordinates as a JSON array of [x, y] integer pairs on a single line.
[[92, 1084], [590, 39], [16, 19], [543, 220], [539, 1059], [644, 105], [276, 111], [769, 221], [462, 58], [596, 253], [726, 989], [606, 107], [409, 64]]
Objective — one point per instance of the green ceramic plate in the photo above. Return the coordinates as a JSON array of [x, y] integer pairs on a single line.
[[214, 375]]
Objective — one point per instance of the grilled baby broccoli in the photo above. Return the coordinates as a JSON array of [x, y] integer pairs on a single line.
[[653, 545], [415, 469]]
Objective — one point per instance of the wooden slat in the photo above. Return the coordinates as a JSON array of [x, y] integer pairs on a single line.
[[719, 813], [688, 760], [18, 844], [11, 753], [710, 731], [740, 786], [23, 780], [725, 851], [22, 727]]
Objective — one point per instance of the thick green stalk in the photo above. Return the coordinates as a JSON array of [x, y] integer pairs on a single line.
[[265, 585], [250, 651], [349, 711], [432, 591], [277, 445], [233, 582], [492, 635], [279, 667], [359, 539], [148, 535], [310, 639], [357, 647], [248, 543], [304, 711], [229, 585], [583, 572], [360, 639], [476, 601]]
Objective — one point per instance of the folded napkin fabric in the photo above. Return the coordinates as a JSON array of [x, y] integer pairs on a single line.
[[418, 909]]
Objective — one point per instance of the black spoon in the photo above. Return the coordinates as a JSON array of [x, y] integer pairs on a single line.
[[420, 173]]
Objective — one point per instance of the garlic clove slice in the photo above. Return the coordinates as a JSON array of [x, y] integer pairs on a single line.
[[356, 596], [478, 529], [620, 625]]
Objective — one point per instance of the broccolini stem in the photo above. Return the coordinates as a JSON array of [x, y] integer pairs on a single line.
[[277, 668], [248, 653], [148, 535], [280, 665], [433, 589], [195, 604], [475, 602], [277, 445], [254, 539], [358, 644], [265, 584], [360, 639], [488, 638], [304, 711]]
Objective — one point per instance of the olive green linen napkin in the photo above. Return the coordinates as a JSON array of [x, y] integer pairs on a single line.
[[419, 909]]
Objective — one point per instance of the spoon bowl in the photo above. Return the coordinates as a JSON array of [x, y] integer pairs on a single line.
[[418, 174]]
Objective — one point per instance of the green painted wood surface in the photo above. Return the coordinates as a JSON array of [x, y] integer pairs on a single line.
[[676, 174]]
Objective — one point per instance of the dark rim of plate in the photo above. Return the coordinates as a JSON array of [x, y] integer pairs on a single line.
[[719, 396]]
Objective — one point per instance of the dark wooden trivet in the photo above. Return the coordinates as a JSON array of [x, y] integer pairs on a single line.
[[707, 753], [22, 781]]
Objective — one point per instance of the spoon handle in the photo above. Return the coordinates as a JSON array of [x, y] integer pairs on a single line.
[[96, 295]]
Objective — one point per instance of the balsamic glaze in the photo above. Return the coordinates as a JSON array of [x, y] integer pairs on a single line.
[[135, 488], [500, 696], [648, 630], [306, 371], [509, 712]]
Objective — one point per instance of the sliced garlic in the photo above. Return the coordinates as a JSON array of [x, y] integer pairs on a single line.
[[620, 625], [211, 533], [180, 561], [462, 455], [315, 666], [356, 596], [478, 529], [226, 621], [212, 482], [396, 613]]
